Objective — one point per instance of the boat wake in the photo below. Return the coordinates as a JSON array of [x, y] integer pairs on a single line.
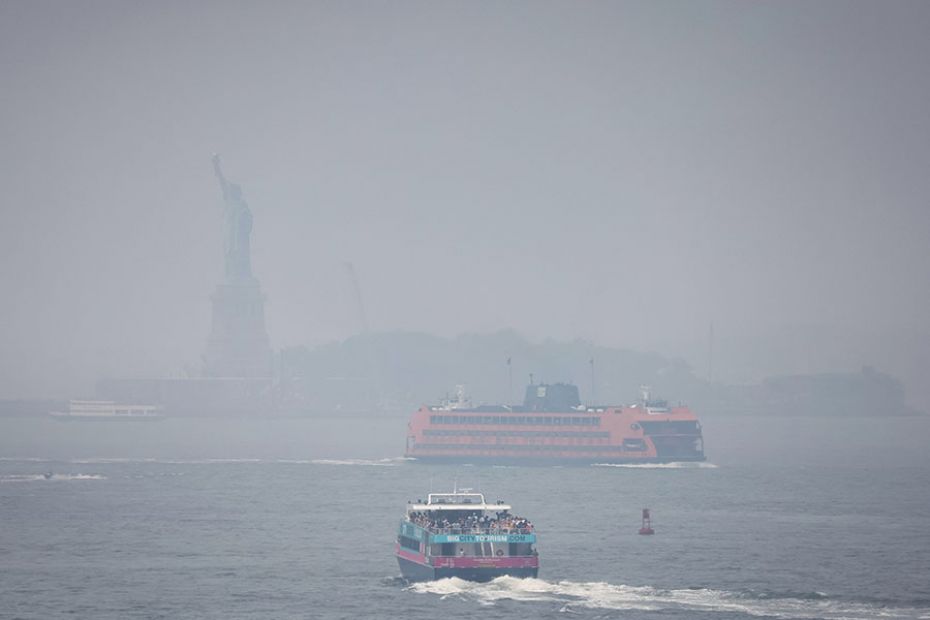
[[223, 461], [49, 477], [389, 462], [682, 465], [136, 461], [576, 596]]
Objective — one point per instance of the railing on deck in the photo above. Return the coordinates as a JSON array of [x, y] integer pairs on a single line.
[[474, 530]]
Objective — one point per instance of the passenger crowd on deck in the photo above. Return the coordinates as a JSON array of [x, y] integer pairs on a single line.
[[503, 522]]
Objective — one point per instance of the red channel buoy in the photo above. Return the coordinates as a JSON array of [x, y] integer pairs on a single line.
[[646, 529]]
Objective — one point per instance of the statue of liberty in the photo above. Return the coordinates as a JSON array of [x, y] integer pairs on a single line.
[[237, 244]]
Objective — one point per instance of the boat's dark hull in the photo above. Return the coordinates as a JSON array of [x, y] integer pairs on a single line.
[[415, 571]]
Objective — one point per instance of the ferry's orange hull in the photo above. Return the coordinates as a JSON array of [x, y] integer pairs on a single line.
[[621, 434]]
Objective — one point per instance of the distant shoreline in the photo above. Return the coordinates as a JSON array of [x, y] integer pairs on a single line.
[[40, 408]]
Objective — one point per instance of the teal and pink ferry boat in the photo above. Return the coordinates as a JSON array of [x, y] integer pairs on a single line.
[[460, 535]]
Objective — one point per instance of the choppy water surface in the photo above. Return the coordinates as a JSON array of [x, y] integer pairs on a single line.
[[277, 519]]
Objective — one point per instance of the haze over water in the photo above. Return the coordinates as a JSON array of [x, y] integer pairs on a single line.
[[790, 518]]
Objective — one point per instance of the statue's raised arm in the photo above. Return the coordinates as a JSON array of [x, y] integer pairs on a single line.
[[238, 227], [224, 185]]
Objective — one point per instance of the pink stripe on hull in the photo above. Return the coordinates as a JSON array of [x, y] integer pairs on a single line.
[[468, 562], [419, 558]]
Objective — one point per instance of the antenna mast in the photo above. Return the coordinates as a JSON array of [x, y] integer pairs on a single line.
[[373, 368]]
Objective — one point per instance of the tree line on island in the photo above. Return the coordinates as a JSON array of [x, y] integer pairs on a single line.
[[397, 371]]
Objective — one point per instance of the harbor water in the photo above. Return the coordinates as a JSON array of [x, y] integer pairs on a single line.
[[295, 518]]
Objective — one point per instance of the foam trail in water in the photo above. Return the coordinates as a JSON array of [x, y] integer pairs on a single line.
[[600, 595], [117, 461], [49, 478], [233, 461], [684, 465], [104, 460], [108, 461], [368, 462]]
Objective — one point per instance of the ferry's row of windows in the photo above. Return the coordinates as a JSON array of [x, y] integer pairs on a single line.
[[520, 419], [409, 543], [509, 441], [669, 427], [527, 447], [456, 433]]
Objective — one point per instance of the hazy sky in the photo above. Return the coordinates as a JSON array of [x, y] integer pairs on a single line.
[[625, 172]]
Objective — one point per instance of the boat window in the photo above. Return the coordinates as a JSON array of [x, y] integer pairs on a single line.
[[409, 543]]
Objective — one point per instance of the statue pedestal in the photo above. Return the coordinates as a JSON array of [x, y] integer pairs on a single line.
[[238, 345]]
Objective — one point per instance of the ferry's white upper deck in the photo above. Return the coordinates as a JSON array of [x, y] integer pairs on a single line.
[[447, 502]]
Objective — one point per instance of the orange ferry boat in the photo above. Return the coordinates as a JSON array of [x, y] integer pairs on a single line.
[[552, 426]]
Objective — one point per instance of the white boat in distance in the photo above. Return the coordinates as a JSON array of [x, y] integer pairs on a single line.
[[107, 410]]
